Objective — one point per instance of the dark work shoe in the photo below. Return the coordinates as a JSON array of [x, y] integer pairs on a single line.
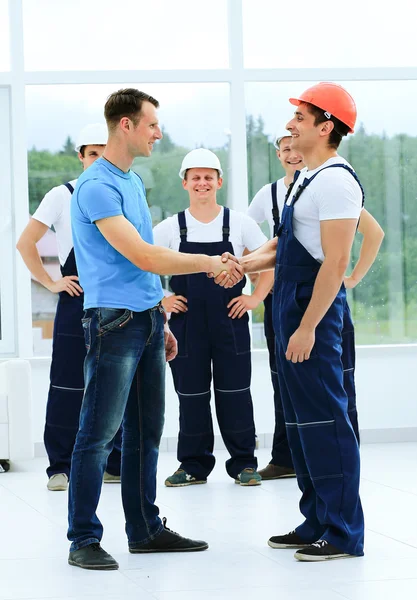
[[169, 541], [320, 550], [276, 472], [92, 557], [289, 540]]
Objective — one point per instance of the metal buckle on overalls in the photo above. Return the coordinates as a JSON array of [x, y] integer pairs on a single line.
[[183, 231], [226, 230]]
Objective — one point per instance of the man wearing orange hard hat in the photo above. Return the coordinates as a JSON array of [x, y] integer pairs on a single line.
[[315, 237]]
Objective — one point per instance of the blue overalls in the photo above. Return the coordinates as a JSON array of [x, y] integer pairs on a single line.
[[209, 339], [281, 454], [66, 388], [323, 443]]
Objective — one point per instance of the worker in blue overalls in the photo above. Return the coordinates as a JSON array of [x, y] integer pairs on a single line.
[[68, 350], [316, 233], [267, 206], [211, 326]]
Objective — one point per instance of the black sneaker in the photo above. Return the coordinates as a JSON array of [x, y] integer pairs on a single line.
[[320, 550], [92, 557], [289, 540], [4, 466], [169, 541]]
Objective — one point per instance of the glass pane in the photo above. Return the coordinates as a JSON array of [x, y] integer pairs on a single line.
[[383, 151], [358, 34], [4, 36], [185, 116], [129, 34]]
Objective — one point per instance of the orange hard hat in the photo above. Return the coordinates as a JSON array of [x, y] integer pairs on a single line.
[[331, 98]]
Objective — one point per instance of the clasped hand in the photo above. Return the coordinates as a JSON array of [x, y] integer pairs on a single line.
[[226, 270]]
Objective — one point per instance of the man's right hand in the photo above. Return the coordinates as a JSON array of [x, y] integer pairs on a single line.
[[226, 270], [175, 304], [66, 284]]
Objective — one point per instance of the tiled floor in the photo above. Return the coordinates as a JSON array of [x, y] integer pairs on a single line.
[[236, 521]]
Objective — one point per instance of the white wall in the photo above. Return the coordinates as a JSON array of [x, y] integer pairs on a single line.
[[385, 386]]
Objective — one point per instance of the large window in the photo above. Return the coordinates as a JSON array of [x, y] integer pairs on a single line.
[[223, 72], [336, 34], [4, 36], [383, 151], [107, 35], [6, 278], [184, 115]]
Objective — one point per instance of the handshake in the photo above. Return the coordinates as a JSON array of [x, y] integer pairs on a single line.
[[226, 270]]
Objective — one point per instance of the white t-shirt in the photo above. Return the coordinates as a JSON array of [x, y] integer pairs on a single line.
[[55, 209], [244, 232], [333, 194], [260, 209]]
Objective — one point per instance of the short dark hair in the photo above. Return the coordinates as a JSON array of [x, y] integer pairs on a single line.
[[339, 130], [126, 103], [82, 149]]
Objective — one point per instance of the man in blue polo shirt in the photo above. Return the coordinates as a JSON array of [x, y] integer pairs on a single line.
[[124, 334]]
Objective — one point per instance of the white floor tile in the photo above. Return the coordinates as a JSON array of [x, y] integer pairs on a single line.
[[379, 590], [41, 578], [249, 593], [236, 521]]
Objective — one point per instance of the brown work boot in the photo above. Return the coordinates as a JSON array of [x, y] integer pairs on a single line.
[[276, 472]]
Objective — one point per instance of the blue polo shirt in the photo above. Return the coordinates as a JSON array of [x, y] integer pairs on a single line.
[[108, 278]]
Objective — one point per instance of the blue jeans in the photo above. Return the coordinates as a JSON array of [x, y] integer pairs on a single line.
[[124, 374]]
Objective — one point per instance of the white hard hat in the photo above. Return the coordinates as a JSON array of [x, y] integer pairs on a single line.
[[92, 135], [279, 137], [201, 157]]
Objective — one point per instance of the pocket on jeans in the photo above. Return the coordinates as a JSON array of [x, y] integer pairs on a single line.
[[113, 318], [86, 324]]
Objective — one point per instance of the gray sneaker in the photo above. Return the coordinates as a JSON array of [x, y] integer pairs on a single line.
[[58, 483]]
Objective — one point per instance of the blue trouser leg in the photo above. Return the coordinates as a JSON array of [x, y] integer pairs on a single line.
[[234, 408], [348, 360], [67, 385], [114, 379], [281, 455], [115, 456], [66, 390], [311, 530], [142, 430], [321, 433], [192, 379]]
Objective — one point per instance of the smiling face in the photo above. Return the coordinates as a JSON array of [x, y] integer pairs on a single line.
[[306, 135], [143, 135], [289, 158], [202, 184]]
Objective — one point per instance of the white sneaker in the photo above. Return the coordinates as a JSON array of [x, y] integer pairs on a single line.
[[58, 483]]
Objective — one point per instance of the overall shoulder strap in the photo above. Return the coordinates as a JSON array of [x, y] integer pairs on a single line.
[[69, 187], [226, 224], [275, 211], [182, 225], [306, 181]]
